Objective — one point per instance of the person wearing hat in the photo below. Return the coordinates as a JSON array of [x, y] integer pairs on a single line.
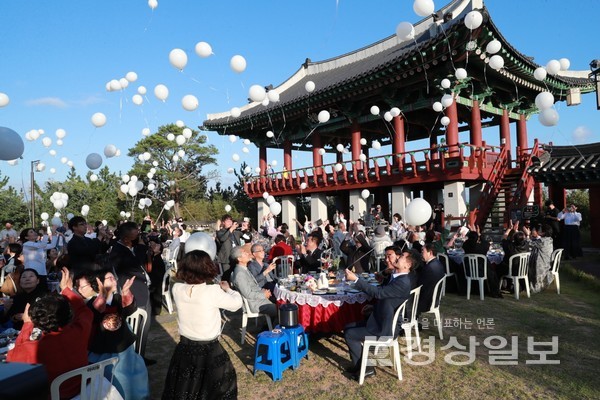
[[245, 283]]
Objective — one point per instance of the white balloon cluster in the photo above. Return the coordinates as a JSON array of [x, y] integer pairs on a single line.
[[144, 203], [115, 85], [131, 185], [169, 204], [59, 200], [548, 116]]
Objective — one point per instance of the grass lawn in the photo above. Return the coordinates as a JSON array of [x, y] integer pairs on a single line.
[[573, 317]]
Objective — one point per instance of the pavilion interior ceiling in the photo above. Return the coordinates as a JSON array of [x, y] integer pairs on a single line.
[[406, 76]]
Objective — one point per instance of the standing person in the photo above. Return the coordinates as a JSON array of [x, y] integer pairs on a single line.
[[83, 250], [552, 220], [309, 255], [128, 258], [156, 272], [390, 297], [429, 275], [200, 368], [34, 252], [7, 235], [571, 238], [227, 238]]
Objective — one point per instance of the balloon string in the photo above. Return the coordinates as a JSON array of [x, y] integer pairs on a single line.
[[449, 48]]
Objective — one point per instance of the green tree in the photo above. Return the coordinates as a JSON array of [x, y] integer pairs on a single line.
[[581, 199], [14, 206], [178, 178]]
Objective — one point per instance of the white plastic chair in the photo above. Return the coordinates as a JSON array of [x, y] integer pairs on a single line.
[[435, 304], [446, 261], [556, 257], [137, 321], [91, 380], [173, 260], [286, 266], [384, 342], [522, 263], [166, 290], [413, 322], [472, 264], [379, 254], [246, 313]]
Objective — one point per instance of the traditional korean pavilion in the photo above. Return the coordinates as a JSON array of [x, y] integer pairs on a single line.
[[403, 79]]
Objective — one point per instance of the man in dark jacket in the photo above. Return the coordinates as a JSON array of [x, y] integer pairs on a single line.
[[83, 250], [390, 297], [227, 238], [429, 274]]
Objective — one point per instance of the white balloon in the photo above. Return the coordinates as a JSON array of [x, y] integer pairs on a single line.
[[376, 145], [445, 121], [56, 221], [388, 116], [423, 8], [257, 170], [405, 31], [265, 101], [70, 164], [64, 160], [59, 142], [473, 20], [98, 120], [15, 162], [238, 64], [151, 186], [309, 86], [339, 147], [553, 67], [363, 141], [544, 100], [460, 73], [362, 157], [4, 99], [540, 73], [203, 49], [93, 161], [265, 195], [61, 133], [273, 96], [110, 150], [247, 142], [437, 106], [275, 208], [274, 163], [131, 76], [153, 4], [257, 93], [180, 123], [189, 102], [146, 155], [161, 92], [323, 116], [236, 112], [175, 158], [142, 90], [93, 177], [227, 208], [187, 133], [114, 85], [45, 216], [125, 178], [446, 83], [447, 100], [548, 117], [496, 62], [417, 212], [235, 157], [375, 110], [201, 241], [365, 193], [493, 47], [34, 134], [270, 134], [248, 170], [178, 58], [124, 83], [245, 150], [338, 167], [395, 111], [170, 137], [230, 170], [180, 140], [52, 152], [270, 200], [132, 191], [155, 163], [303, 186], [47, 142], [137, 99], [564, 64], [41, 167], [232, 138], [146, 131]]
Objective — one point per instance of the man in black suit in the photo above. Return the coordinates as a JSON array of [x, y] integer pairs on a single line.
[[81, 249], [429, 274], [390, 297], [310, 255], [227, 238]]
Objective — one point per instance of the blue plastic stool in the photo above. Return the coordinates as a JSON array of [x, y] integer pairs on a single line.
[[278, 356], [299, 342]]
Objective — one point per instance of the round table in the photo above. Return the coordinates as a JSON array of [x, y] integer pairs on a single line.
[[493, 256], [325, 313]]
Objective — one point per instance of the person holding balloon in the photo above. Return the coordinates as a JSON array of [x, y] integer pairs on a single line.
[[34, 251]]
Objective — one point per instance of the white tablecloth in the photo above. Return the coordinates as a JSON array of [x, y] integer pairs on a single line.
[[325, 300], [494, 257]]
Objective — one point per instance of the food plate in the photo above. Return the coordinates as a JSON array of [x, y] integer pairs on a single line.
[[320, 292]]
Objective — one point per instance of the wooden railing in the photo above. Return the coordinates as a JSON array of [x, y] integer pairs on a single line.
[[410, 164], [491, 188], [526, 182]]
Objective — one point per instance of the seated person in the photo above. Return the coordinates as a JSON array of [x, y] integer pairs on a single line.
[[281, 248], [540, 263], [390, 296], [258, 298], [429, 275], [55, 333], [262, 272], [475, 245], [310, 255], [513, 242], [31, 291]]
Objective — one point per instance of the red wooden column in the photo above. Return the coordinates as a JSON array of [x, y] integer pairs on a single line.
[[317, 158], [475, 135], [287, 155], [522, 135], [433, 144], [452, 129], [262, 164], [398, 145], [594, 194], [505, 132], [355, 144]]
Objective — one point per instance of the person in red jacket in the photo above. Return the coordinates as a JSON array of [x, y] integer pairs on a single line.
[[280, 249], [56, 331]]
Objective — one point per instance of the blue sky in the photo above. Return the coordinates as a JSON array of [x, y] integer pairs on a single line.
[[58, 55]]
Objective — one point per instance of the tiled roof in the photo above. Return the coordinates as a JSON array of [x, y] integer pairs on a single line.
[[567, 165]]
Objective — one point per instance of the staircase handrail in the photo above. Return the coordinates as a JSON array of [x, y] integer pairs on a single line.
[[493, 183]]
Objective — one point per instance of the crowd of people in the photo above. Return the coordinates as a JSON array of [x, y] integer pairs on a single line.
[[104, 276]]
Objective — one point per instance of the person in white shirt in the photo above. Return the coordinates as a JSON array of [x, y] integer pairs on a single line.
[[34, 252], [200, 367], [571, 237]]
